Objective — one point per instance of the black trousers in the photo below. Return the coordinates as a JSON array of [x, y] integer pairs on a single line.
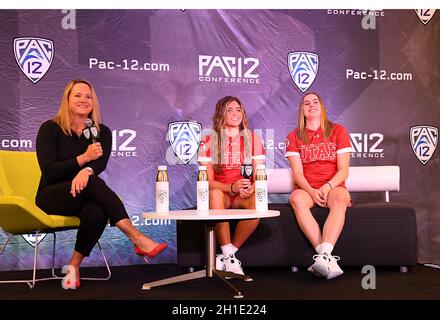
[[95, 206]]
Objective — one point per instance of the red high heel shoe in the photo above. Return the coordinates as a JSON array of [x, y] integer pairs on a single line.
[[150, 254]]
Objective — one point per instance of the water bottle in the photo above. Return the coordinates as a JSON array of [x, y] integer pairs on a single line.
[[162, 190], [202, 189], [261, 188]]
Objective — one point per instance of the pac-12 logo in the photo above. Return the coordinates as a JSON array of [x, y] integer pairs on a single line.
[[122, 145], [425, 14], [423, 142], [185, 137], [303, 68], [34, 56], [228, 69], [367, 145], [31, 238]]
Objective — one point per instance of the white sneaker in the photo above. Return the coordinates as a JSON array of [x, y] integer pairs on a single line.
[[219, 262], [326, 266], [310, 269], [321, 265], [333, 268], [232, 264]]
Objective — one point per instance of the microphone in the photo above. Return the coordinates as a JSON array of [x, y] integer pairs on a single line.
[[90, 131]]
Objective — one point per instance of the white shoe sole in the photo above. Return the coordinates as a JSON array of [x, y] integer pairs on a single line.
[[320, 269], [332, 275], [247, 278], [310, 269]]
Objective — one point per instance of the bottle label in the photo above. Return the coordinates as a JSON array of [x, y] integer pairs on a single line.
[[162, 196], [202, 195], [261, 203]]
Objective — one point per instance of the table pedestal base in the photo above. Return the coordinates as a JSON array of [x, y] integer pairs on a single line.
[[209, 271]]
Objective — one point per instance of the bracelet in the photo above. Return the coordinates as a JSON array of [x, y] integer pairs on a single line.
[[90, 170], [331, 188], [85, 158], [232, 191]]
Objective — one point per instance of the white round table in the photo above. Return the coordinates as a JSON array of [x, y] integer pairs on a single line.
[[210, 217]]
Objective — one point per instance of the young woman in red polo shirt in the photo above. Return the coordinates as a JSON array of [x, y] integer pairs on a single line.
[[319, 155], [229, 145]]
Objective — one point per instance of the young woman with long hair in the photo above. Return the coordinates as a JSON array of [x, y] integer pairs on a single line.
[[319, 155], [70, 164], [230, 145]]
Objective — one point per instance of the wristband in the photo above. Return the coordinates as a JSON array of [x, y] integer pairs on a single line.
[[90, 170], [331, 188]]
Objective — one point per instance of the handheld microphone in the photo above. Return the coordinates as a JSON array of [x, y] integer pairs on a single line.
[[90, 131]]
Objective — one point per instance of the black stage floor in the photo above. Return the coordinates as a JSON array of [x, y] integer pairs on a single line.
[[269, 284]]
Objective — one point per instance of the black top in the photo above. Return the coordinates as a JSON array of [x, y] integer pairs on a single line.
[[57, 152]]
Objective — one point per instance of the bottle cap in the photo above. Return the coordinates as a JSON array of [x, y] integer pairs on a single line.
[[202, 167], [162, 168], [261, 166]]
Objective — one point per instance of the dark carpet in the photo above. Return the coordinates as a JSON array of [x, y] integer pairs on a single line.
[[274, 294], [269, 284]]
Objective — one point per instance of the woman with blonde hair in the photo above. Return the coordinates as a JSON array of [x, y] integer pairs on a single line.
[[70, 162], [319, 155], [230, 145]]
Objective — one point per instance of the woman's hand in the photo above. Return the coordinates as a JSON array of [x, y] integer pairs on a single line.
[[318, 198], [324, 190], [246, 192], [241, 184], [80, 182], [94, 151]]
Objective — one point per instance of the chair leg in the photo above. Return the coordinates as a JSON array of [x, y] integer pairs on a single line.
[[6, 242], [28, 282], [32, 282], [54, 276], [34, 272], [293, 269], [34, 275], [403, 269], [109, 273], [53, 255]]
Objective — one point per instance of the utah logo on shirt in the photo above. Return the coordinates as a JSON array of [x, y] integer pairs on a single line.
[[321, 151]]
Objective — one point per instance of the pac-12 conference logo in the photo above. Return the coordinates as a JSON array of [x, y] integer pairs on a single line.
[[425, 14], [185, 137], [34, 56], [423, 142], [122, 143], [31, 238], [228, 69], [367, 145], [303, 68]]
